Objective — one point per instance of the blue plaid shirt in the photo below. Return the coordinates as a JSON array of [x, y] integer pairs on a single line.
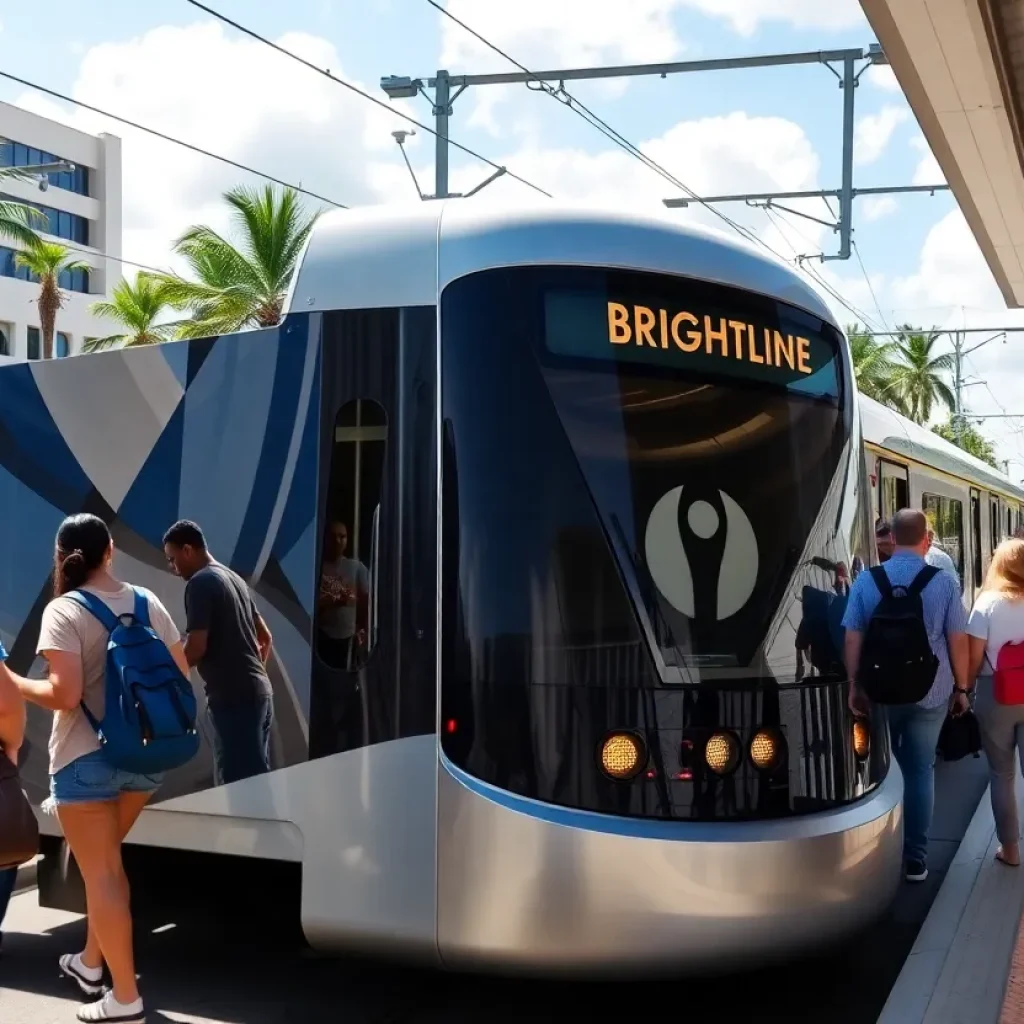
[[944, 613]]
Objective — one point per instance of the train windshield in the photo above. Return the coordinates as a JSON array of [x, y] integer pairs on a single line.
[[710, 425]]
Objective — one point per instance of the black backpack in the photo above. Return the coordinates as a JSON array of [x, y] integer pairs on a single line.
[[897, 664]]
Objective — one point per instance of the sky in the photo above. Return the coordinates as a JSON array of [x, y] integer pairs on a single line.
[[169, 65]]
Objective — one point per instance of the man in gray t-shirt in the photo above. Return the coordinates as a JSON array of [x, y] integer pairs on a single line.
[[342, 602], [229, 643]]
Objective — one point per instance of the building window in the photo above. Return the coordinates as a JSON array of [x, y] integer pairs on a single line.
[[946, 517], [14, 154], [6, 336], [35, 346], [60, 223], [70, 280], [346, 615], [62, 345]]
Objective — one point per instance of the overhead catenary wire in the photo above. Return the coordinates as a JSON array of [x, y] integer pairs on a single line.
[[169, 138], [360, 92], [583, 111]]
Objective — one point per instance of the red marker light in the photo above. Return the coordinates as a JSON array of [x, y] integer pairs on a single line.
[[451, 726]]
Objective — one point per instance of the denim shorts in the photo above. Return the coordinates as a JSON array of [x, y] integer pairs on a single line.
[[92, 779]]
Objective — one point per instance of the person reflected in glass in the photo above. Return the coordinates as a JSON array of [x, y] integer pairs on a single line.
[[343, 601]]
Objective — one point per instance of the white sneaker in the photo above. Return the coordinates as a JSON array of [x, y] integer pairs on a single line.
[[109, 1011], [90, 982]]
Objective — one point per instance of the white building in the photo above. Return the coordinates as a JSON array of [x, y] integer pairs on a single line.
[[84, 211]]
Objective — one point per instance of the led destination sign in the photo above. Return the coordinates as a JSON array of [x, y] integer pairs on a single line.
[[759, 343]]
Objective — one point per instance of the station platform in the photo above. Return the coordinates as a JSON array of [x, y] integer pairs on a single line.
[[967, 964]]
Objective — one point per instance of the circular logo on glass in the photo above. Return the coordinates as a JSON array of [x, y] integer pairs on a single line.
[[682, 533]]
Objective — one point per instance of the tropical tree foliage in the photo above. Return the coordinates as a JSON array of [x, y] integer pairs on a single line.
[[46, 261], [240, 283], [139, 307], [19, 221], [920, 373], [874, 367], [908, 375], [970, 439]]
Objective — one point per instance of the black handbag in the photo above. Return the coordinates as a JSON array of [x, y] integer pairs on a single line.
[[959, 737], [19, 830]]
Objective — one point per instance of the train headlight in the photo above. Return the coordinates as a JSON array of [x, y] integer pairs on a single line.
[[766, 749], [722, 753], [623, 755], [861, 738]]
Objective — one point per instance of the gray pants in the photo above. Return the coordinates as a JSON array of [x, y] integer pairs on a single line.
[[1002, 735]]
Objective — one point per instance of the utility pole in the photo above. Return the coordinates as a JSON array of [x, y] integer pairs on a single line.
[[553, 82]]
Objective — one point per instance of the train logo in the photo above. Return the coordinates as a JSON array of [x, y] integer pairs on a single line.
[[671, 532]]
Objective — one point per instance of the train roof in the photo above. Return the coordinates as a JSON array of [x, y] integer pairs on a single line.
[[895, 433], [394, 256]]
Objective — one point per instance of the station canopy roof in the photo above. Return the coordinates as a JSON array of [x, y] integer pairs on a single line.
[[961, 65]]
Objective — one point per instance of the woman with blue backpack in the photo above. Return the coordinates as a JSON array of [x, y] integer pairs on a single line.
[[996, 631], [124, 712]]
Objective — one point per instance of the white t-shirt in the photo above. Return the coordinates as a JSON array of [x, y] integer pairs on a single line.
[[999, 620], [339, 621], [69, 627]]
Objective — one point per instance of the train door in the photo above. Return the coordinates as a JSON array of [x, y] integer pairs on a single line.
[[893, 488], [977, 569], [374, 666]]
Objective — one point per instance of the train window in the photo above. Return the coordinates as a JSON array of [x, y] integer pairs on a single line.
[[976, 537], [993, 524], [895, 489], [347, 599], [946, 518]]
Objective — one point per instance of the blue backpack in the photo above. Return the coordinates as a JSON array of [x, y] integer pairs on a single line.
[[149, 724]]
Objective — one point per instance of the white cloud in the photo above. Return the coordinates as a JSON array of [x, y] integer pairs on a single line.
[[952, 276], [928, 171], [882, 77], [544, 35], [250, 104], [873, 132], [877, 207], [746, 16]]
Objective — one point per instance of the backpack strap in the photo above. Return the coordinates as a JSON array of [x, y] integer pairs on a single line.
[[91, 603], [881, 578], [141, 608], [922, 579]]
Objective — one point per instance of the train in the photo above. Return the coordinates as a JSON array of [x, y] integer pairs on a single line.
[[597, 471]]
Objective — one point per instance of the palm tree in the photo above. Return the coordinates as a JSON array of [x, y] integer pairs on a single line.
[[875, 367], [17, 220], [921, 383], [47, 261], [244, 284], [136, 306]]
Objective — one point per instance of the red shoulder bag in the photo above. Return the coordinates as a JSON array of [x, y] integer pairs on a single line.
[[1008, 679]]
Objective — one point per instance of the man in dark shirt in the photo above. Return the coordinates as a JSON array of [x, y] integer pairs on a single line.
[[229, 643]]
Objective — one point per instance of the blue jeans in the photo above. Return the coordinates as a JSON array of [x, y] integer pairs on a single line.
[[914, 732], [7, 880], [241, 739]]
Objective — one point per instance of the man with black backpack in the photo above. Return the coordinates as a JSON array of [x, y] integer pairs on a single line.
[[906, 649]]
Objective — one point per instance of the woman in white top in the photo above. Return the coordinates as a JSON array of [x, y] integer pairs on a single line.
[[96, 803], [998, 619]]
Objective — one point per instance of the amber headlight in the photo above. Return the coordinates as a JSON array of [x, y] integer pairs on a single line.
[[722, 753], [861, 738], [623, 755], [766, 749]]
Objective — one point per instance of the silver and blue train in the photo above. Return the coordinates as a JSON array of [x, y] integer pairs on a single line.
[[606, 476]]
